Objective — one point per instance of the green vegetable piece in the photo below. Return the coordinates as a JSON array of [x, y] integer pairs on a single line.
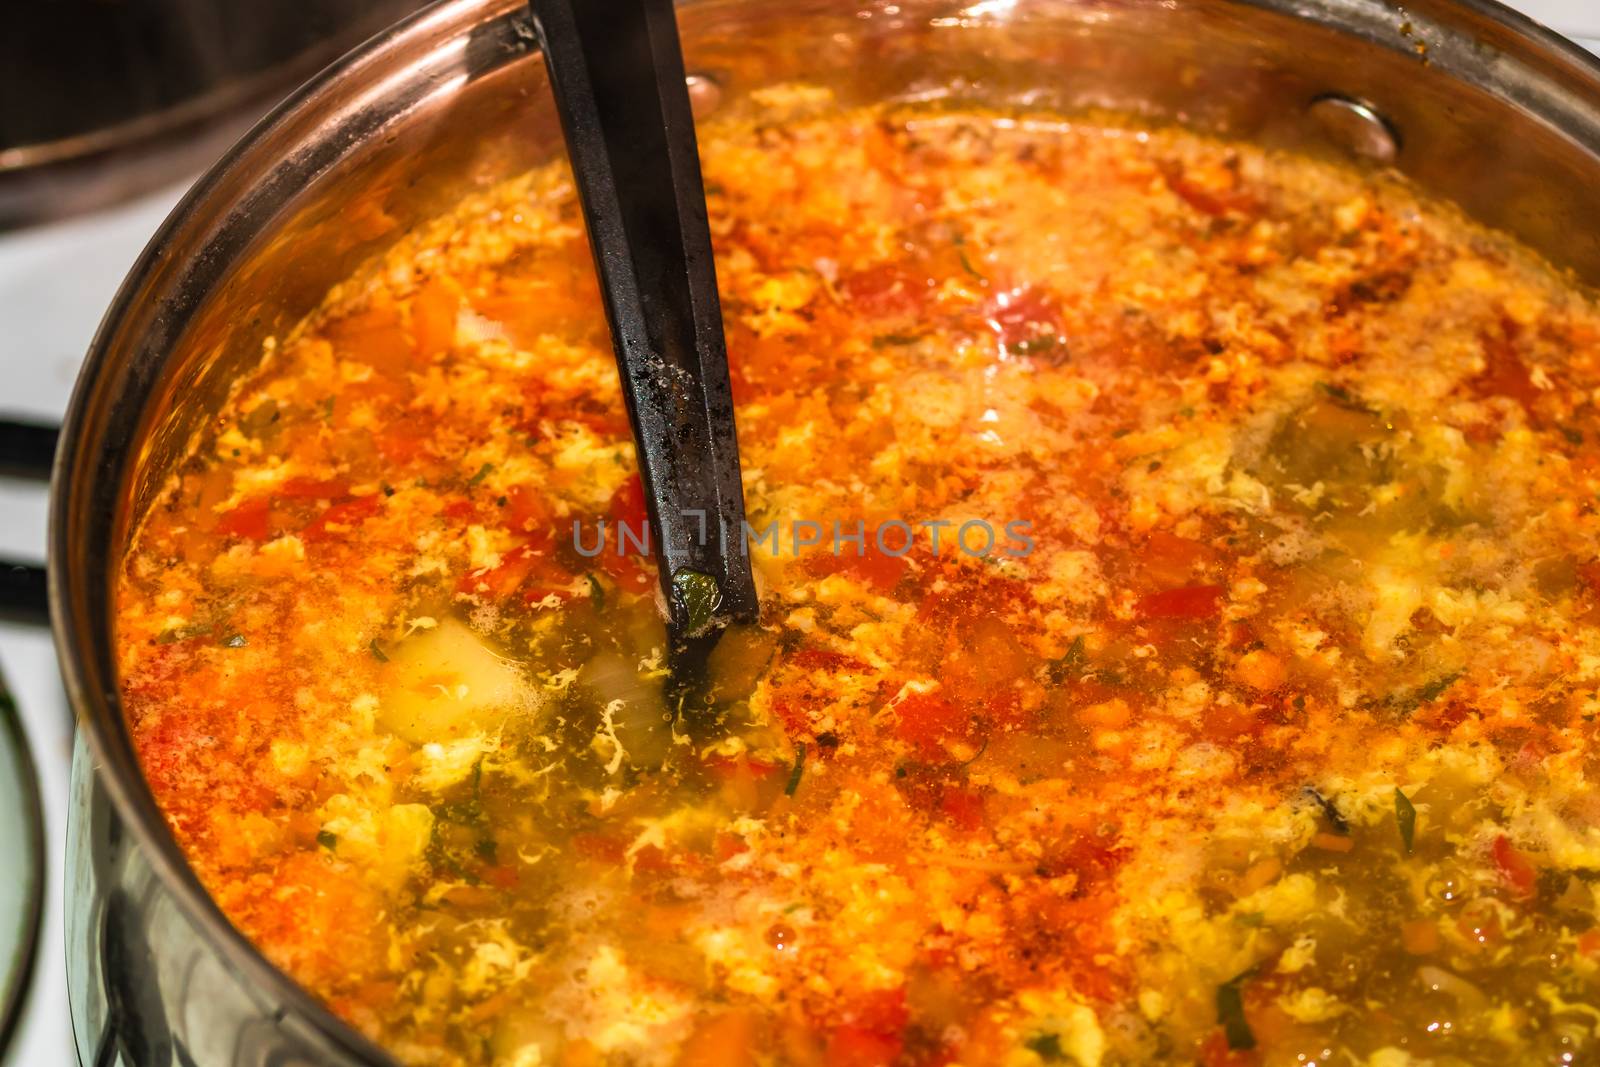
[[1405, 816], [483, 472], [1344, 398], [328, 841], [799, 769], [377, 653], [961, 252], [597, 593], [697, 594], [1047, 1047], [1230, 1013], [1435, 689]]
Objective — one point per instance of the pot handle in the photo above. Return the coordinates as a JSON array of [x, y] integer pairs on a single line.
[[27, 450]]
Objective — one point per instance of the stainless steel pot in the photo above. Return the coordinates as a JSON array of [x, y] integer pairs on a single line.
[[1473, 102]]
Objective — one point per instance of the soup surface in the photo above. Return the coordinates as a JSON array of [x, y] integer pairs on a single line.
[[1260, 734]]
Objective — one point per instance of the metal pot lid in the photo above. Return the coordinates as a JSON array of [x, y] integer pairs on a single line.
[[22, 846]]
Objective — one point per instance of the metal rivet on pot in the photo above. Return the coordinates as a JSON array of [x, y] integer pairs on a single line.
[[1357, 127], [705, 93]]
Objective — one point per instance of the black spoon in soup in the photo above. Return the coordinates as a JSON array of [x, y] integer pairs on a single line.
[[617, 72]]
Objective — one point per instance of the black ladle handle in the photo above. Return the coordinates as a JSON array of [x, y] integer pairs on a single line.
[[616, 69]]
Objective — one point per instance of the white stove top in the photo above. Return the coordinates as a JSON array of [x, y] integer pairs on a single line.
[[55, 282]]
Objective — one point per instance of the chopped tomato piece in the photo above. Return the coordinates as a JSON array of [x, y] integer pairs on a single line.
[[881, 570], [1024, 315], [1516, 870], [1185, 602], [602, 847], [1167, 560], [628, 506], [312, 489], [891, 290], [527, 509], [249, 520], [350, 513], [963, 807], [824, 659], [927, 720], [1504, 372], [459, 510]]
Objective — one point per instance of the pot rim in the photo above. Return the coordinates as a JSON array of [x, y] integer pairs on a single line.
[[78, 593]]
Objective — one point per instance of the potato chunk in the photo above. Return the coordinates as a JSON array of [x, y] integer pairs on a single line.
[[446, 683]]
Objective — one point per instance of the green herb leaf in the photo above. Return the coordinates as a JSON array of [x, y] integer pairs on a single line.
[[483, 472], [1405, 816], [1230, 1013], [327, 409], [1071, 665], [328, 841], [961, 253], [1435, 689], [1406, 703], [1047, 1047], [799, 769], [174, 634], [887, 340], [699, 597], [1250, 918], [1345, 398], [597, 593], [377, 653]]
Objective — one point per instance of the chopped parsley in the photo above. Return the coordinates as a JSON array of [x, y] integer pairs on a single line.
[[1405, 817], [888, 340], [1345, 398], [799, 769], [1047, 1047]]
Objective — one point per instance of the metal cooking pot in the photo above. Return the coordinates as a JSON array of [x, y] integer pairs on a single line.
[[1472, 101]]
